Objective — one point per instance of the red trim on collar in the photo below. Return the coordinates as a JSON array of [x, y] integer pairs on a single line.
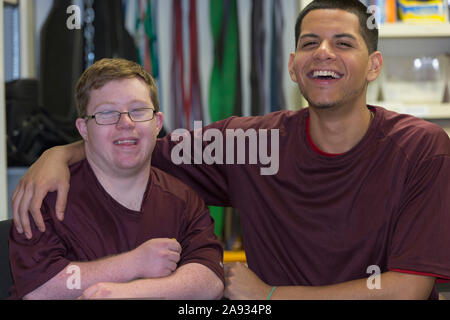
[[314, 147]]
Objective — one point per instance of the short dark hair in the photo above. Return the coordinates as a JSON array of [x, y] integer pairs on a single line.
[[370, 35]]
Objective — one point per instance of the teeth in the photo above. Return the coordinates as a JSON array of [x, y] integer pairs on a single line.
[[119, 142], [333, 74]]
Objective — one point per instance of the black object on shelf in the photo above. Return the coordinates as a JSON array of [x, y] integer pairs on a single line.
[[61, 63], [29, 129]]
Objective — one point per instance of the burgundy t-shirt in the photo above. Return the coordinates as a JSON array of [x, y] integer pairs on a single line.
[[324, 220], [95, 226]]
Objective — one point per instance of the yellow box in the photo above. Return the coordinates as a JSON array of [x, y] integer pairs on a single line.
[[422, 11]]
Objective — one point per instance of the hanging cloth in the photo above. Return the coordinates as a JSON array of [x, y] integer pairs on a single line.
[[146, 35], [258, 36], [225, 90], [225, 87], [277, 99], [187, 103], [195, 88]]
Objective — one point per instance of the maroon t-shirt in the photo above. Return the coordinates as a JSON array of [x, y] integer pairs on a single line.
[[324, 220], [95, 226]]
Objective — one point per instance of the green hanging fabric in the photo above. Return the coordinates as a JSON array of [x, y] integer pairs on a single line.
[[225, 89], [150, 30]]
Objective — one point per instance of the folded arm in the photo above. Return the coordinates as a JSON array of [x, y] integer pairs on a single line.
[[190, 281], [64, 285], [242, 284], [154, 258], [395, 286]]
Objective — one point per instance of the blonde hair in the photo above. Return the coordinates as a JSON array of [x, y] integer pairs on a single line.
[[106, 70]]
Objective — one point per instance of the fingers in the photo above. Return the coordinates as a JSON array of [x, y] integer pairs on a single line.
[[35, 208], [230, 267], [61, 200], [174, 245], [89, 293], [15, 202], [173, 256], [23, 211], [172, 266]]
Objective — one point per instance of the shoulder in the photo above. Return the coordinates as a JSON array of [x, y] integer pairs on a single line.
[[82, 182], [275, 120], [416, 137], [172, 189]]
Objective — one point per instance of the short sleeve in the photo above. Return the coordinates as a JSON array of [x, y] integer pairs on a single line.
[[209, 181], [199, 244], [421, 237], [35, 261]]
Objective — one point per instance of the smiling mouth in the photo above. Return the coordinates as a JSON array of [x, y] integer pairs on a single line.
[[128, 142], [324, 75]]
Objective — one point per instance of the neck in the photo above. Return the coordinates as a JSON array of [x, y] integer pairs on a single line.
[[338, 130], [127, 188]]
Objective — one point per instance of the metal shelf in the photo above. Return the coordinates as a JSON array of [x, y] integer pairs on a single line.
[[424, 111], [404, 30]]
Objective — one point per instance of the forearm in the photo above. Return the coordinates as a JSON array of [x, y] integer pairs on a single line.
[[393, 286], [66, 285], [190, 281], [70, 153]]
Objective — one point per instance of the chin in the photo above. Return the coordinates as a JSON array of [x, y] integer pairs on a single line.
[[322, 106], [132, 164]]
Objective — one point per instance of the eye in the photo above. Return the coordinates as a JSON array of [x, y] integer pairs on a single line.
[[107, 114], [308, 44], [139, 111], [344, 44]]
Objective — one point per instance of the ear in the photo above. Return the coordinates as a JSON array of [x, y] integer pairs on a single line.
[[159, 122], [375, 66], [291, 67], [82, 128]]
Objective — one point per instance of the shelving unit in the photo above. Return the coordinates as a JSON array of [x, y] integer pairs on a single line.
[[403, 30], [411, 33], [424, 111]]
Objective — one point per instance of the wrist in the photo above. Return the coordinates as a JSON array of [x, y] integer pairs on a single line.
[[272, 290], [62, 153], [131, 264]]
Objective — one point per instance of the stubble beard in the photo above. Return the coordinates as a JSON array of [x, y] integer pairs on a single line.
[[332, 104]]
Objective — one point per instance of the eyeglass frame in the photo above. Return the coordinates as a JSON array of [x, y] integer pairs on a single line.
[[89, 117]]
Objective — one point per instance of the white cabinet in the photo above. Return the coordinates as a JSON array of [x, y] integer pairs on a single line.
[[3, 162], [419, 40]]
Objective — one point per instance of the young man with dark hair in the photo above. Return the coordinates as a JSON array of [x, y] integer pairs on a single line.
[[130, 230], [361, 192]]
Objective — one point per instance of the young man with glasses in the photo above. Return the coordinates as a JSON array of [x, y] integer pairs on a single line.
[[131, 231]]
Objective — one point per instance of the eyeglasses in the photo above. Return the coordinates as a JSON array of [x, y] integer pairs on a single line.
[[113, 117]]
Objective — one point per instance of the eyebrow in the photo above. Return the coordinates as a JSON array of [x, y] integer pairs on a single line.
[[110, 103], [338, 36]]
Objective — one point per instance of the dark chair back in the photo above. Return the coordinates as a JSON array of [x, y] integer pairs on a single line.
[[5, 269]]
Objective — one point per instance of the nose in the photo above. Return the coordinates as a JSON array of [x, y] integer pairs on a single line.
[[324, 51], [125, 122]]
